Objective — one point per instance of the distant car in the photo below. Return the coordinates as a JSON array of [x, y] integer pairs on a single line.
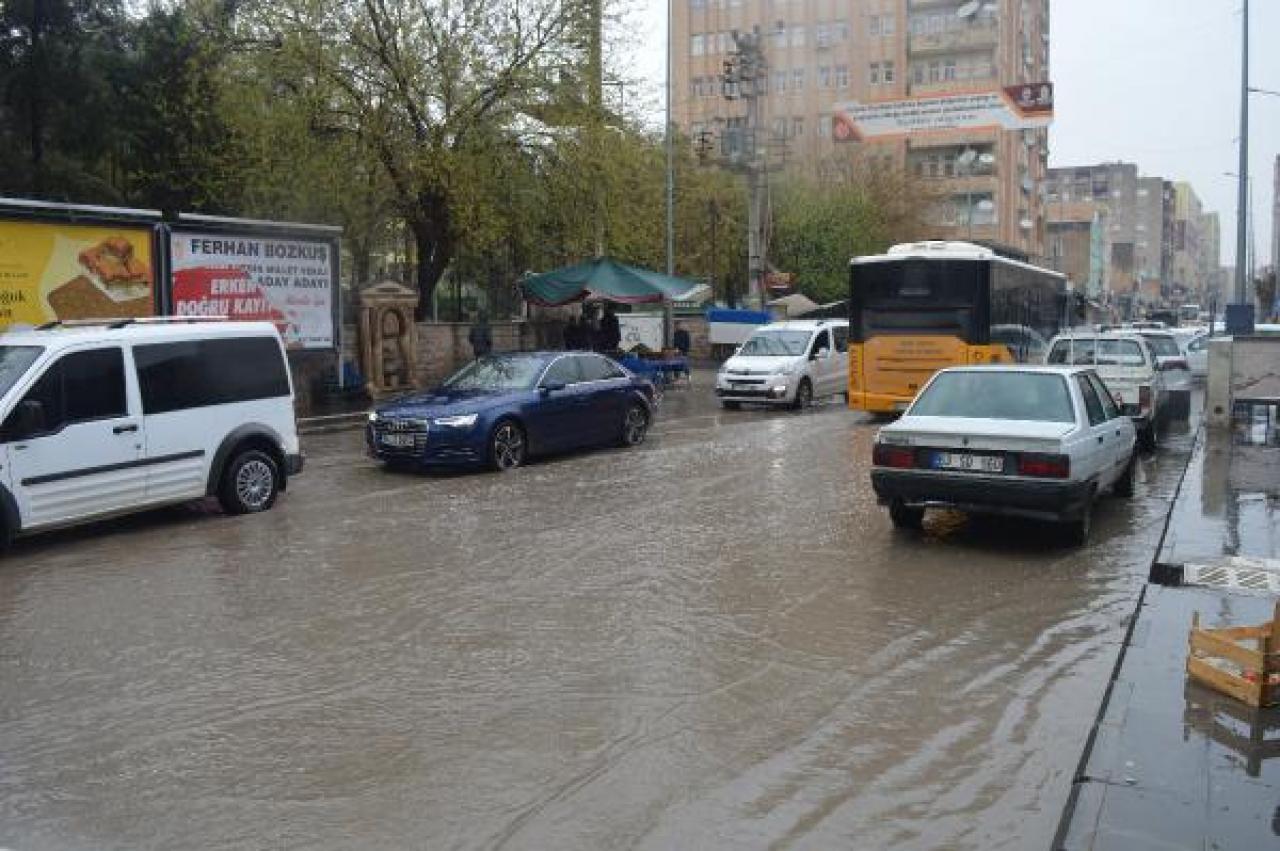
[[788, 363], [501, 409], [1172, 361], [1198, 355], [1128, 367], [1026, 441]]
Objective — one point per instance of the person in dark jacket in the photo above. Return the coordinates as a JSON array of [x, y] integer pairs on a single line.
[[481, 337], [610, 330]]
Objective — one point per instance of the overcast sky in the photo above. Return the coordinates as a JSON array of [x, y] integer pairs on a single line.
[[1153, 82]]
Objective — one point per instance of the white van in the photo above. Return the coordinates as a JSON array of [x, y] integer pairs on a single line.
[[104, 418], [788, 363]]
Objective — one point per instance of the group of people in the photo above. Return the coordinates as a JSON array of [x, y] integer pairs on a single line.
[[591, 332]]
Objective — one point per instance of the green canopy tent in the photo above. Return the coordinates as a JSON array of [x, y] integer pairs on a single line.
[[606, 279]]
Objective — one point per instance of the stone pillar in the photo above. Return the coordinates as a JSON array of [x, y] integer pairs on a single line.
[[388, 339], [1217, 395]]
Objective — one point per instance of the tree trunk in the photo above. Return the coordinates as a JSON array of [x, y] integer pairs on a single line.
[[436, 248]]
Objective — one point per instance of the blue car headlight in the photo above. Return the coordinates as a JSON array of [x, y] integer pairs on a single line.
[[460, 421]]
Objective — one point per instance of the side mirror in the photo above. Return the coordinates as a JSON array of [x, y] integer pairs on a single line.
[[551, 387], [27, 419]]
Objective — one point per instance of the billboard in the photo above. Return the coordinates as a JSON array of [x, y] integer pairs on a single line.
[[249, 276], [1012, 108], [64, 271]]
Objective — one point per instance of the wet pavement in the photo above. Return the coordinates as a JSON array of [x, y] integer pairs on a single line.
[[714, 641]]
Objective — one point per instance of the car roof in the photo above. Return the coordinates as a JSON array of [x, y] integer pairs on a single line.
[[135, 331], [1037, 369], [1100, 335], [802, 324]]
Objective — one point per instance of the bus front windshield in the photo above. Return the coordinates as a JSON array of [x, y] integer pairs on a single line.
[[775, 343]]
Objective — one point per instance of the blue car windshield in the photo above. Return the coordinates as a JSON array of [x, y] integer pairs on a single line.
[[775, 343], [496, 373]]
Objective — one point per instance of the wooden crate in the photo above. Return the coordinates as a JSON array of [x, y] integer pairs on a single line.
[[1221, 659]]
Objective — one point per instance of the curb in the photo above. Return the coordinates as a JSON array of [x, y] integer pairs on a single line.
[[332, 423], [1080, 777]]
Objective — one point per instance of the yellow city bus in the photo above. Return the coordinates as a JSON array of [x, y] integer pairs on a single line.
[[927, 305]]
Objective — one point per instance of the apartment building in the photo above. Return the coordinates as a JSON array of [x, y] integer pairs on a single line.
[[826, 58]]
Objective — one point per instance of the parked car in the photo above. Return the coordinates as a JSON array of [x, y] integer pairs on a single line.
[[105, 418], [1197, 353], [1127, 366], [1027, 441], [502, 409], [788, 363], [1172, 361]]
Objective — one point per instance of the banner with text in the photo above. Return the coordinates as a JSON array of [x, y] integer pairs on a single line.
[[290, 282], [1012, 108], [60, 271]]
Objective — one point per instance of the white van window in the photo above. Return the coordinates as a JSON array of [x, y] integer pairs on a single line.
[[820, 342], [775, 343], [842, 338], [1083, 351], [78, 387], [14, 363], [199, 373]]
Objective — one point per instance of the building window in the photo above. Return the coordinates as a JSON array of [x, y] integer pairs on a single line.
[[779, 128], [697, 44], [935, 71], [918, 73], [888, 24], [797, 36], [840, 30], [873, 26], [888, 72], [797, 127], [697, 4], [797, 79], [824, 126], [873, 74], [779, 81], [780, 35], [842, 76], [880, 25], [824, 76], [949, 69], [822, 35]]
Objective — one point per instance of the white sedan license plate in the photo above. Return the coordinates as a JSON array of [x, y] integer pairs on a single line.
[[966, 461], [397, 441]]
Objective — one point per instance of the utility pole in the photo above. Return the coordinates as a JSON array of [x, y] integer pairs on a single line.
[[1242, 200], [668, 315], [595, 105], [746, 75], [713, 214]]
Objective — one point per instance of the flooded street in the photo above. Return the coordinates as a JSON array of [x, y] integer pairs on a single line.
[[715, 641]]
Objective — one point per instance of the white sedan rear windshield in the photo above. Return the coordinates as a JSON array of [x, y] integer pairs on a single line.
[[1083, 351], [997, 396]]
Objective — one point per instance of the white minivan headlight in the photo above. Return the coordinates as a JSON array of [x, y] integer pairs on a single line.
[[373, 416], [461, 421]]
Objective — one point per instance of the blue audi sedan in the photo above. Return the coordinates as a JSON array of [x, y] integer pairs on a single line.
[[501, 409]]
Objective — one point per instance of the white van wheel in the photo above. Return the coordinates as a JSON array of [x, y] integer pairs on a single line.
[[250, 483]]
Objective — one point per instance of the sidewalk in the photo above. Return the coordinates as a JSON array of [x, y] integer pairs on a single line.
[[1171, 764]]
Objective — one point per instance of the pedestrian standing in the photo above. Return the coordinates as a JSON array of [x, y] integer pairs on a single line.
[[481, 336], [610, 331]]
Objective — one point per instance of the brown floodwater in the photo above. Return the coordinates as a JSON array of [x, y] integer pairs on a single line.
[[715, 641]]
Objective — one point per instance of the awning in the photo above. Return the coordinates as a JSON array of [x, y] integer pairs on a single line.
[[606, 279]]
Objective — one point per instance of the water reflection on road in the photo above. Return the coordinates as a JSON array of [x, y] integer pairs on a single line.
[[715, 641]]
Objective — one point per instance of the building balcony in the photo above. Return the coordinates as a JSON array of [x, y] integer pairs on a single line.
[[976, 36]]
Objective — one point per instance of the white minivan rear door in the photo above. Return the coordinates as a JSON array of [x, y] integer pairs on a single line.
[[78, 452]]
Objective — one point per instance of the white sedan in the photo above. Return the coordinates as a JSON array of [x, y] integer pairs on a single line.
[[1029, 441]]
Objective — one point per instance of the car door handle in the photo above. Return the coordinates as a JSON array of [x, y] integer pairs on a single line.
[[122, 429]]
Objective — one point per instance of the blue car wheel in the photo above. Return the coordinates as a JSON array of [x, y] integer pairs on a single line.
[[506, 446]]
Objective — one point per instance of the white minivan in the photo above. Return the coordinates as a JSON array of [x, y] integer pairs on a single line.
[[105, 418], [788, 363]]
